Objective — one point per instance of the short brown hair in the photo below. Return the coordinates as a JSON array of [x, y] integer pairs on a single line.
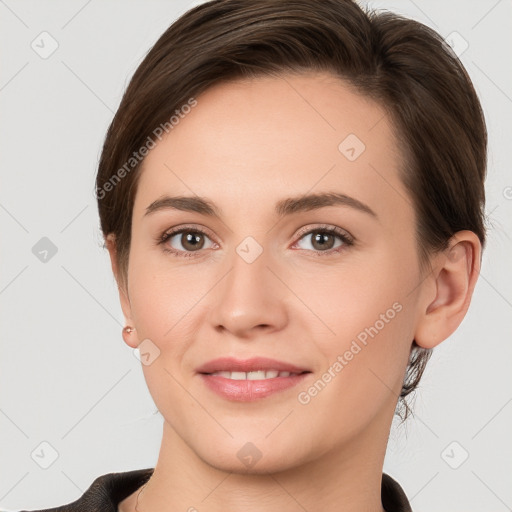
[[404, 65]]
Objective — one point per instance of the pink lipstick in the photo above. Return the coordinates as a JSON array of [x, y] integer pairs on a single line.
[[250, 379]]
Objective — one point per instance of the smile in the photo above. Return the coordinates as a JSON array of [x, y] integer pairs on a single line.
[[255, 375], [251, 386]]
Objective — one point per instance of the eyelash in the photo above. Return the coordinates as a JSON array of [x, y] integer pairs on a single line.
[[344, 237]]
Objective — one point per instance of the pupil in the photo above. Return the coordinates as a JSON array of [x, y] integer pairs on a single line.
[[193, 240], [320, 238]]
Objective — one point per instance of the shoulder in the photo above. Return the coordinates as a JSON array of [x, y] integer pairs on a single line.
[[105, 492], [393, 496]]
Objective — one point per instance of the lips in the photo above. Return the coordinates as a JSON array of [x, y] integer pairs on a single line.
[[252, 368], [256, 375]]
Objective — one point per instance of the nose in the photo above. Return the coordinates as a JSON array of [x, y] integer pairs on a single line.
[[251, 297]]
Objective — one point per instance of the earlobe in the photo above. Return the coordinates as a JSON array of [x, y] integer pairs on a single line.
[[453, 278], [129, 336]]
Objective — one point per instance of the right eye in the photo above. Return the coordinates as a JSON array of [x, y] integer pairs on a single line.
[[191, 241]]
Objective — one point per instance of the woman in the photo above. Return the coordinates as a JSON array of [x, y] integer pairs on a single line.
[[292, 195]]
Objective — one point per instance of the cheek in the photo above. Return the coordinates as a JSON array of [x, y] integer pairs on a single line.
[[164, 300], [363, 363], [370, 330], [370, 314], [162, 294]]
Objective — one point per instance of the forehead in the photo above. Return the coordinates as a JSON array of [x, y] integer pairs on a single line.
[[289, 134]]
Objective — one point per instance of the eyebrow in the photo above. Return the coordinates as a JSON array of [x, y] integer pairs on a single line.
[[283, 207]]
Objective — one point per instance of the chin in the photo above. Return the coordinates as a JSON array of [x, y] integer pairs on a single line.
[[257, 457]]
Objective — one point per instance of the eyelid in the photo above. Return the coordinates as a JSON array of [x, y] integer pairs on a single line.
[[185, 227], [327, 227]]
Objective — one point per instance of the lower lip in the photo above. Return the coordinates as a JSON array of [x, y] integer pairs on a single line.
[[250, 390]]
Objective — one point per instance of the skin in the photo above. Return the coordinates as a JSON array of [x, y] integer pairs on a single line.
[[245, 146]]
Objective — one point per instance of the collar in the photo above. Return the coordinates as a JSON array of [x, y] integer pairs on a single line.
[[107, 491]]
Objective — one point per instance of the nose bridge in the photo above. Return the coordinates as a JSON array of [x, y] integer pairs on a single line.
[[250, 294]]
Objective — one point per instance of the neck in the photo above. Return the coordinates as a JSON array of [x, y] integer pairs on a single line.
[[346, 478]]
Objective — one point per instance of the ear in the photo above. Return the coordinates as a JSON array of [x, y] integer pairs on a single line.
[[449, 289], [130, 339]]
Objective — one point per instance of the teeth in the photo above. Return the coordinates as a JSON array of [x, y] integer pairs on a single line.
[[259, 375], [256, 375]]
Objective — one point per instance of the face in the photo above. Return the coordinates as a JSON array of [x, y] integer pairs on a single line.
[[330, 287]]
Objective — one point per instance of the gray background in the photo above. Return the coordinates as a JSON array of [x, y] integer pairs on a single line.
[[66, 376]]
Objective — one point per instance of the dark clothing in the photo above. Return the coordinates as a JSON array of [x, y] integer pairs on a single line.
[[108, 490]]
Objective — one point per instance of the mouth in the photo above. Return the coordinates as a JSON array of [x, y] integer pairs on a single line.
[[253, 369], [254, 375], [252, 379], [251, 386]]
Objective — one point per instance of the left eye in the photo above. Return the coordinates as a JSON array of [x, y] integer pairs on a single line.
[[323, 240]]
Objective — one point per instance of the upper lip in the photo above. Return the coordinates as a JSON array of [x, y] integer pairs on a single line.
[[231, 364]]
